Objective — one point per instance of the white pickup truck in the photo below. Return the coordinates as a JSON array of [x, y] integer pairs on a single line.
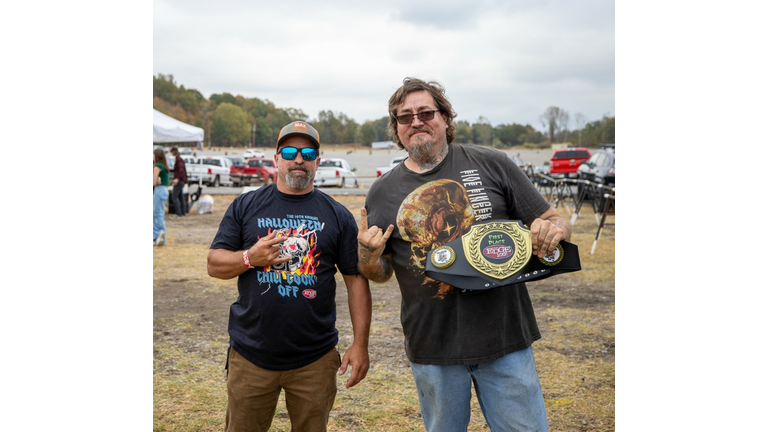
[[195, 170], [393, 163], [208, 170], [217, 170], [335, 172]]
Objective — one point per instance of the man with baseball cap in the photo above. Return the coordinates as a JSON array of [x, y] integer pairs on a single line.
[[284, 242]]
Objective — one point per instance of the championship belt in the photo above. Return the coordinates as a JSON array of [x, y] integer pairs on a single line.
[[497, 253]]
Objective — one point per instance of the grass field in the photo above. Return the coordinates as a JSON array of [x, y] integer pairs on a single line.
[[575, 357]]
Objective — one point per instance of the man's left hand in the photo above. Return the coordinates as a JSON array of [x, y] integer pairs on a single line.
[[357, 357], [545, 235]]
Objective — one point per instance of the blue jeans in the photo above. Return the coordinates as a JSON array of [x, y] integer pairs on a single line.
[[160, 196], [507, 389]]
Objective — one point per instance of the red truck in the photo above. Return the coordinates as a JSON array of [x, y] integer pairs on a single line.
[[565, 162], [237, 170], [259, 170]]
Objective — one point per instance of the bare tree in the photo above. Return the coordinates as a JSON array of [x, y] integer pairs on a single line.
[[555, 121], [562, 123], [580, 120]]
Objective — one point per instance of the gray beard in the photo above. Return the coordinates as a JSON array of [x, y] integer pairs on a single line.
[[421, 152], [298, 179]]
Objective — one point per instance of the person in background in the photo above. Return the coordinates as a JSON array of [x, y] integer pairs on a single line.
[[284, 242], [456, 339], [179, 180], [161, 181]]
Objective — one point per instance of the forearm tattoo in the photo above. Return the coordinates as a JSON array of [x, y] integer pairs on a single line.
[[377, 270], [364, 252]]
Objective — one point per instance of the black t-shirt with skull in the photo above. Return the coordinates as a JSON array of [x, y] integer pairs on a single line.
[[443, 325], [284, 317]]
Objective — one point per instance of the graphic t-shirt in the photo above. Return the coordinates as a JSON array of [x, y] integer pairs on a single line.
[[442, 324], [284, 316]]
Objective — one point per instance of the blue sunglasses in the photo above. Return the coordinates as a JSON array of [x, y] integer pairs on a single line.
[[289, 153]]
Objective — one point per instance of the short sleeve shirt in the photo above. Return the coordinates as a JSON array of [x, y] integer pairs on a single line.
[[443, 325], [284, 316], [165, 179]]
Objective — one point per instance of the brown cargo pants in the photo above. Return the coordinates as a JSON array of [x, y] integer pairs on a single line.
[[253, 394]]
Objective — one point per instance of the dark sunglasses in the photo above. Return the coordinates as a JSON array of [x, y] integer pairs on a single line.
[[307, 153], [407, 119]]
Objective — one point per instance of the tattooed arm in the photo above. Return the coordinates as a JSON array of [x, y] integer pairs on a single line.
[[547, 231], [370, 246], [376, 269]]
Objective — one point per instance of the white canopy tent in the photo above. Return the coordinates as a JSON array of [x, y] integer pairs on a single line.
[[169, 130]]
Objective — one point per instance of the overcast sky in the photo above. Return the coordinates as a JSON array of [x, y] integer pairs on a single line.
[[505, 60]]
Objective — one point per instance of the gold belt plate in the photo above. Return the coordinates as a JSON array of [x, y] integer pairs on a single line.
[[498, 249]]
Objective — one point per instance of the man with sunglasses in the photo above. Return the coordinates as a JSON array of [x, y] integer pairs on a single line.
[[456, 338], [284, 242]]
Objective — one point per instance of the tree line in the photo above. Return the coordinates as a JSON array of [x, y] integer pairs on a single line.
[[237, 121]]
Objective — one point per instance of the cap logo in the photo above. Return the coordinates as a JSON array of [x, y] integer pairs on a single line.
[[299, 128]]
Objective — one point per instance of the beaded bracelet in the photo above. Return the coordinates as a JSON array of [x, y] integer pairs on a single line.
[[246, 261]]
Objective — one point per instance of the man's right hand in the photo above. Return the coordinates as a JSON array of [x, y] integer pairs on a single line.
[[266, 251], [371, 240]]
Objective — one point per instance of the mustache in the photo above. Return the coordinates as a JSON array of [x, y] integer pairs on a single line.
[[299, 167], [419, 129]]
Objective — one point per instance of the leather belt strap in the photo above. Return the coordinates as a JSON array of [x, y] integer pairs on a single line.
[[497, 253]]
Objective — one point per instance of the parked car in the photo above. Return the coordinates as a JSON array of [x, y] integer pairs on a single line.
[[237, 170], [218, 168], [541, 175], [564, 163], [335, 172], [600, 168], [253, 153], [163, 148], [195, 170], [392, 163], [259, 170]]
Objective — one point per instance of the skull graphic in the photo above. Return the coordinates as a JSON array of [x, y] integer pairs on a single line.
[[296, 248], [432, 215]]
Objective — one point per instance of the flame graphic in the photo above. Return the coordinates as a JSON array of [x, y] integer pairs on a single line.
[[310, 261]]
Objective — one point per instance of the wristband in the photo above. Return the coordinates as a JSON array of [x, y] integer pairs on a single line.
[[246, 261]]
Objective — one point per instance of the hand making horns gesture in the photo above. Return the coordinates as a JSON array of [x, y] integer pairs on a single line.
[[372, 239]]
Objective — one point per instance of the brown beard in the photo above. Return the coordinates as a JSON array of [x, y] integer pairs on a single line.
[[420, 152], [421, 147]]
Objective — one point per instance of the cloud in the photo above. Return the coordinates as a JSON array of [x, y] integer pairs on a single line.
[[505, 60]]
